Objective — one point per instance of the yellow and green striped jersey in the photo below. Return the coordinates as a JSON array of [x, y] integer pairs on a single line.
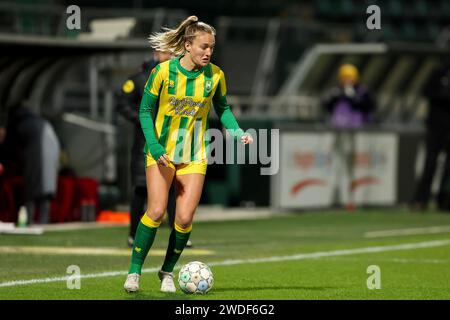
[[184, 100]]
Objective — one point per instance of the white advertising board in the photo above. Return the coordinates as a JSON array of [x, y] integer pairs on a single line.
[[326, 168]]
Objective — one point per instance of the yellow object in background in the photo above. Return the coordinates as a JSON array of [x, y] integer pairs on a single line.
[[128, 86]]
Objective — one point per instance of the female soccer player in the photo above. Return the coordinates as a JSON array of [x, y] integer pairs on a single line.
[[183, 90]]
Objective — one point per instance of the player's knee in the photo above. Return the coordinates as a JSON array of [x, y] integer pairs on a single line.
[[156, 213], [184, 221], [185, 227]]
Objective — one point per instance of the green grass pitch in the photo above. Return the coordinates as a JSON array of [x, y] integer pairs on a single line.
[[316, 255]]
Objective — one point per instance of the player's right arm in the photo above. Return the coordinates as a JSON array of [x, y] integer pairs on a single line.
[[148, 104]]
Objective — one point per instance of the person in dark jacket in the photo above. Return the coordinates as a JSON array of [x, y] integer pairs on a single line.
[[33, 149], [437, 140], [128, 102], [350, 104]]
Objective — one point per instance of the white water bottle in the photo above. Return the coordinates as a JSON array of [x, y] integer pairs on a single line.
[[22, 217]]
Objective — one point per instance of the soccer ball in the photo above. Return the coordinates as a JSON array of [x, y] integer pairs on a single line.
[[195, 277]]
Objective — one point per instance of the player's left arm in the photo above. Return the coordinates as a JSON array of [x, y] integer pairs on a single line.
[[225, 114]]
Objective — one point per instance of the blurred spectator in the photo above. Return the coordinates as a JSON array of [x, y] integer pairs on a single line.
[[31, 146], [437, 91], [3, 124], [2, 151], [349, 103], [351, 107], [128, 102], [7, 204]]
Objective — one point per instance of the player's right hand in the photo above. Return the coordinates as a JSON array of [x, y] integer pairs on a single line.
[[163, 160]]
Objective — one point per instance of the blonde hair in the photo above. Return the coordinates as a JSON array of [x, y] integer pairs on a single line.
[[172, 40], [348, 71]]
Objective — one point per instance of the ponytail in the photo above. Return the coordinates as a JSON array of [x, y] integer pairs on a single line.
[[172, 40]]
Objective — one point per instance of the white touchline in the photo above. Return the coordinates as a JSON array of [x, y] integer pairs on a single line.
[[396, 260], [407, 232], [301, 256]]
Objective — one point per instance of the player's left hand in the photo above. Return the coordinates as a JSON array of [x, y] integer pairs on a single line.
[[247, 139]]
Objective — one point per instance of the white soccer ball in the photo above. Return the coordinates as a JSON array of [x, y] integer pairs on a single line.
[[195, 277]]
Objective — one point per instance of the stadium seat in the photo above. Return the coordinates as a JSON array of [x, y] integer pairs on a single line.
[[445, 8], [63, 205], [428, 33], [86, 190], [408, 31], [323, 8], [422, 8], [394, 8], [8, 206], [388, 32], [347, 8]]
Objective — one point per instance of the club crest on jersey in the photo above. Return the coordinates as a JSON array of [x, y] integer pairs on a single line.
[[171, 83], [208, 85]]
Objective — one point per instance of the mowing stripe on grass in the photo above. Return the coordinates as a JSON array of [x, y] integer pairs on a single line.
[[395, 260], [301, 256], [406, 232], [90, 251]]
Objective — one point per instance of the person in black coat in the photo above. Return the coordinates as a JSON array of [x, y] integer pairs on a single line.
[[33, 150], [128, 102], [350, 106], [350, 103], [437, 91]]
